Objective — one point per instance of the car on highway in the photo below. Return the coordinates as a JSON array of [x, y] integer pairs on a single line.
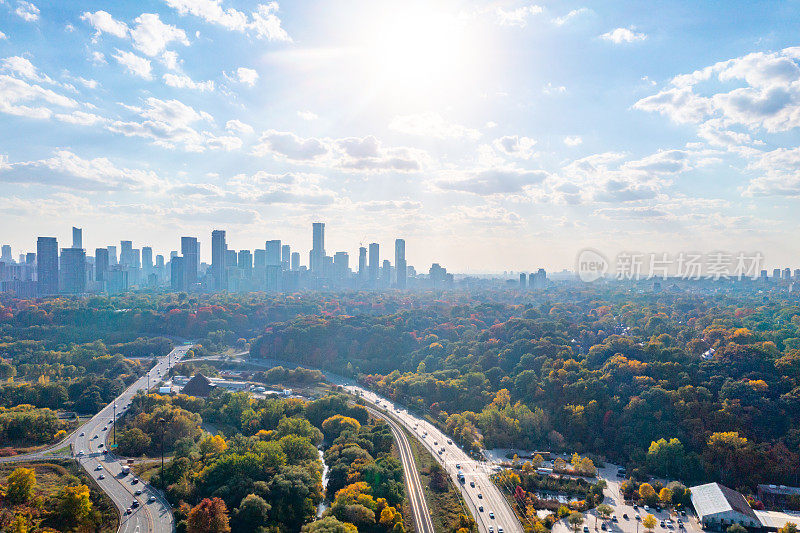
[[614, 518], [472, 484], [662, 524], [480, 508], [585, 529], [99, 467], [625, 516], [101, 476], [138, 491], [151, 499], [458, 466], [603, 526], [638, 517], [80, 452], [128, 510], [100, 445], [135, 481], [491, 529], [83, 434], [499, 530], [105, 428], [491, 515], [480, 496], [135, 504]]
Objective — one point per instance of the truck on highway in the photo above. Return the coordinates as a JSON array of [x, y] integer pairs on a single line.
[[125, 470]]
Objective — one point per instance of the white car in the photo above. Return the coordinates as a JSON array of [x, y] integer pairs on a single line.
[[99, 467], [80, 452]]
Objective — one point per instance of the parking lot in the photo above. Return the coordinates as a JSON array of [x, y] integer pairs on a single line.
[[613, 497]]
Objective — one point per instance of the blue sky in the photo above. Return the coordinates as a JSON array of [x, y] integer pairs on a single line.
[[491, 135]]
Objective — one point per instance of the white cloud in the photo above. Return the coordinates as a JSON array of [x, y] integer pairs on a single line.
[[238, 127], [516, 16], [171, 124], [136, 65], [551, 89], [69, 171], [16, 94], [23, 67], [28, 11], [506, 181], [98, 58], [573, 140], [170, 59], [247, 76], [290, 146], [80, 117], [264, 21], [2, 36], [515, 146], [431, 125], [151, 36], [102, 21], [307, 115], [623, 35], [560, 21], [182, 81]]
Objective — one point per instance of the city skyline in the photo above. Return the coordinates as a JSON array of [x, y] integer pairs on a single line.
[[509, 126]]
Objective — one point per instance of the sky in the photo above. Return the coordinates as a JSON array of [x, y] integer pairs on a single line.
[[492, 136]]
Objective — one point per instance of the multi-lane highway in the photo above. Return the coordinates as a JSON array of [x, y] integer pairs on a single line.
[[152, 513], [419, 507]]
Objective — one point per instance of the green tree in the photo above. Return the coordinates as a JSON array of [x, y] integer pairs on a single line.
[[21, 485], [133, 442], [604, 510], [736, 528], [329, 524], [575, 520], [252, 513], [666, 458]]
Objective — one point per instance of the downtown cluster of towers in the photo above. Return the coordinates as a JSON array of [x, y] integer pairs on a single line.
[[272, 268]]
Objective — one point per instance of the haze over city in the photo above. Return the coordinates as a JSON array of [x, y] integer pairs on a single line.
[[493, 135]]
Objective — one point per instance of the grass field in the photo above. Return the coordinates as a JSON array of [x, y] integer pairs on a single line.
[[445, 506], [50, 478]]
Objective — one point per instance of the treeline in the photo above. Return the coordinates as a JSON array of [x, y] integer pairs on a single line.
[[593, 370]]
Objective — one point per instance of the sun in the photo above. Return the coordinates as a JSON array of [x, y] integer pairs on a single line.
[[417, 48]]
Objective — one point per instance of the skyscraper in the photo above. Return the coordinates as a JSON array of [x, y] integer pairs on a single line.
[[245, 261], [317, 255], [362, 265], [177, 276], [147, 260], [6, 257], [112, 256], [77, 237], [47, 265], [218, 248], [126, 254], [341, 266], [400, 263], [101, 265], [73, 270], [374, 262], [191, 256], [295, 261], [273, 253], [286, 257]]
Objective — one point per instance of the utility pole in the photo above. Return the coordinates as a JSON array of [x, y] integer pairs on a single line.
[[115, 424], [162, 423]]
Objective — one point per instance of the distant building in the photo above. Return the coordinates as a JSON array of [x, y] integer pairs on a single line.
[[47, 265], [273, 252], [362, 265], [177, 274], [523, 280], [317, 255], [374, 262], [295, 266], [191, 259], [112, 256], [77, 237], [719, 507], [286, 257], [73, 271], [101, 264], [401, 268], [218, 248], [6, 256]]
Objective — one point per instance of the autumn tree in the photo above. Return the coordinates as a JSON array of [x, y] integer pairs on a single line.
[[74, 504], [208, 516], [665, 495], [329, 524], [647, 493], [788, 527], [649, 522], [21, 485]]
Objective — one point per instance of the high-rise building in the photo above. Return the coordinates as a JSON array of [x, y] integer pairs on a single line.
[[126, 254], [286, 257], [77, 237], [787, 273], [317, 255], [245, 261], [273, 253], [30, 258], [341, 266], [191, 255], [101, 265], [537, 280], [523, 280], [47, 265], [231, 259], [177, 275], [147, 260], [374, 262], [218, 248], [362, 264], [386, 274], [259, 258], [295, 261], [400, 263], [112, 256], [73, 271], [6, 256]]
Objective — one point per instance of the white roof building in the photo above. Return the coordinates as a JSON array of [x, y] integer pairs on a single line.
[[718, 507]]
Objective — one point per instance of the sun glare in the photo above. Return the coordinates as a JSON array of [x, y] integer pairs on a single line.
[[419, 49]]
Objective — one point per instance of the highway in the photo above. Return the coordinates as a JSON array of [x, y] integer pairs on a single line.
[[488, 506], [419, 507], [87, 443]]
